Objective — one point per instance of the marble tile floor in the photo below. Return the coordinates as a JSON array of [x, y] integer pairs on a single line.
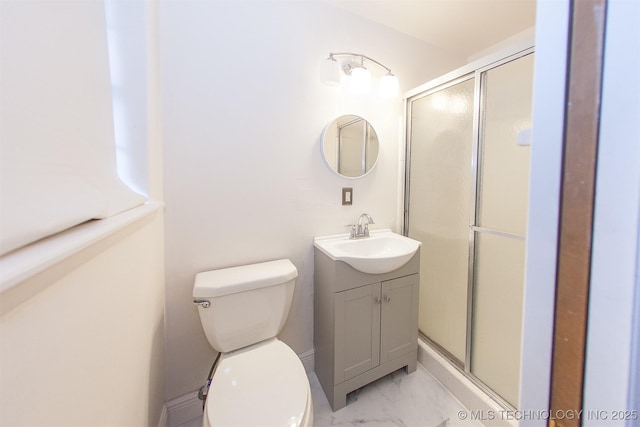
[[398, 399]]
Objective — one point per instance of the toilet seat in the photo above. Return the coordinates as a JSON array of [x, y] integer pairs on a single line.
[[261, 385]]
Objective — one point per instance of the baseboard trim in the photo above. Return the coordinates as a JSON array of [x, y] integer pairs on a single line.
[[183, 409], [308, 359], [162, 422]]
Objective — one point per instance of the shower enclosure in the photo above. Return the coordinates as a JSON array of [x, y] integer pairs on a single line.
[[466, 201]]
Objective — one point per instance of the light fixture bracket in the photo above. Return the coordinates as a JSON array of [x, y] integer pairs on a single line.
[[359, 82], [347, 67]]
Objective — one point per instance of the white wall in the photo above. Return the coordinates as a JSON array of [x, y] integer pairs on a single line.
[[82, 339], [543, 214], [244, 179], [89, 348], [609, 368], [525, 37]]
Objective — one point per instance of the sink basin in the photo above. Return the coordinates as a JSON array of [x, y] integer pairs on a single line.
[[383, 252]]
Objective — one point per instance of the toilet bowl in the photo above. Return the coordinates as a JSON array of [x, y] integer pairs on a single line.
[[261, 385], [258, 380]]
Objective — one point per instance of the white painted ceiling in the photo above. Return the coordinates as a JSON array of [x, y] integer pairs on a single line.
[[462, 26]]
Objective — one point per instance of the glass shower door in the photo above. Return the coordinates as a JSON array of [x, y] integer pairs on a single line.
[[467, 198], [500, 226], [440, 182]]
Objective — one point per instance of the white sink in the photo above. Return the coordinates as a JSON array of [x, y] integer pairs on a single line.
[[382, 252]]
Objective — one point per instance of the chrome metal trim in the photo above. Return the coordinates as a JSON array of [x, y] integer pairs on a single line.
[[202, 303], [497, 233], [407, 165], [442, 86], [509, 58], [365, 139], [442, 351], [478, 117], [332, 54]]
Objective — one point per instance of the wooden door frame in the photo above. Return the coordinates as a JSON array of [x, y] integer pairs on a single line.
[[582, 112]]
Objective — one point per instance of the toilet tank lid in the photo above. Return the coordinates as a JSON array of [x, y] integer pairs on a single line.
[[231, 280]]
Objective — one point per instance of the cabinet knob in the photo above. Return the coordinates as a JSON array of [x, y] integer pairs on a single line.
[[387, 298], [378, 300]]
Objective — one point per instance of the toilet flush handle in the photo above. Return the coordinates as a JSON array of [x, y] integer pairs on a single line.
[[202, 302]]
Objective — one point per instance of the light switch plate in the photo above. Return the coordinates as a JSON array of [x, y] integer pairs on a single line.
[[347, 196]]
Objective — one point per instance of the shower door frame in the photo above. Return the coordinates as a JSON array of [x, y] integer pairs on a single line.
[[476, 71]]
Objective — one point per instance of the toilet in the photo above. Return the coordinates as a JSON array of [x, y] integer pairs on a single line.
[[258, 380]]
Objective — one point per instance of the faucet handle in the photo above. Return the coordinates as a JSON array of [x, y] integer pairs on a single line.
[[352, 233]]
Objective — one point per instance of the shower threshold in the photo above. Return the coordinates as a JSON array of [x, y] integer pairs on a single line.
[[489, 411]]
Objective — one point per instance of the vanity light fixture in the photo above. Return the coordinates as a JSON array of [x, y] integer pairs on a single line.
[[359, 76]]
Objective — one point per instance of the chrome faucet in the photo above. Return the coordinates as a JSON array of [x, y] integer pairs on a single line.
[[363, 229]]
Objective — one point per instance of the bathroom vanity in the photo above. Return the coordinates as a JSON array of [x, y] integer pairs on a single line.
[[365, 325]]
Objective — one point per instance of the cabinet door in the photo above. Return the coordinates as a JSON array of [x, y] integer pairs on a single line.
[[399, 328], [357, 331]]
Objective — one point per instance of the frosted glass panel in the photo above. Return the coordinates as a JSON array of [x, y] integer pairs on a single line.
[[497, 313], [504, 164], [440, 183], [443, 206]]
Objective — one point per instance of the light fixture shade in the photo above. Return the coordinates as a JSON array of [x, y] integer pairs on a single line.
[[330, 72], [389, 86], [360, 80]]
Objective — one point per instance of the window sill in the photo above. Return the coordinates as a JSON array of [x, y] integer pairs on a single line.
[[22, 264]]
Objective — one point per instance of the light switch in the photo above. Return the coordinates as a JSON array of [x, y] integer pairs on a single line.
[[347, 196]]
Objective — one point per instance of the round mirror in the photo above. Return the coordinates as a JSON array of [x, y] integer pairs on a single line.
[[350, 146]]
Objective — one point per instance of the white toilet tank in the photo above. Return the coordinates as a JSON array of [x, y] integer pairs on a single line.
[[248, 304]]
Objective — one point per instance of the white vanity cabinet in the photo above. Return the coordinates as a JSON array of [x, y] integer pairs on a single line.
[[365, 325]]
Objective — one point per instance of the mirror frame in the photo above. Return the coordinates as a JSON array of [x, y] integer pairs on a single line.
[[323, 143]]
